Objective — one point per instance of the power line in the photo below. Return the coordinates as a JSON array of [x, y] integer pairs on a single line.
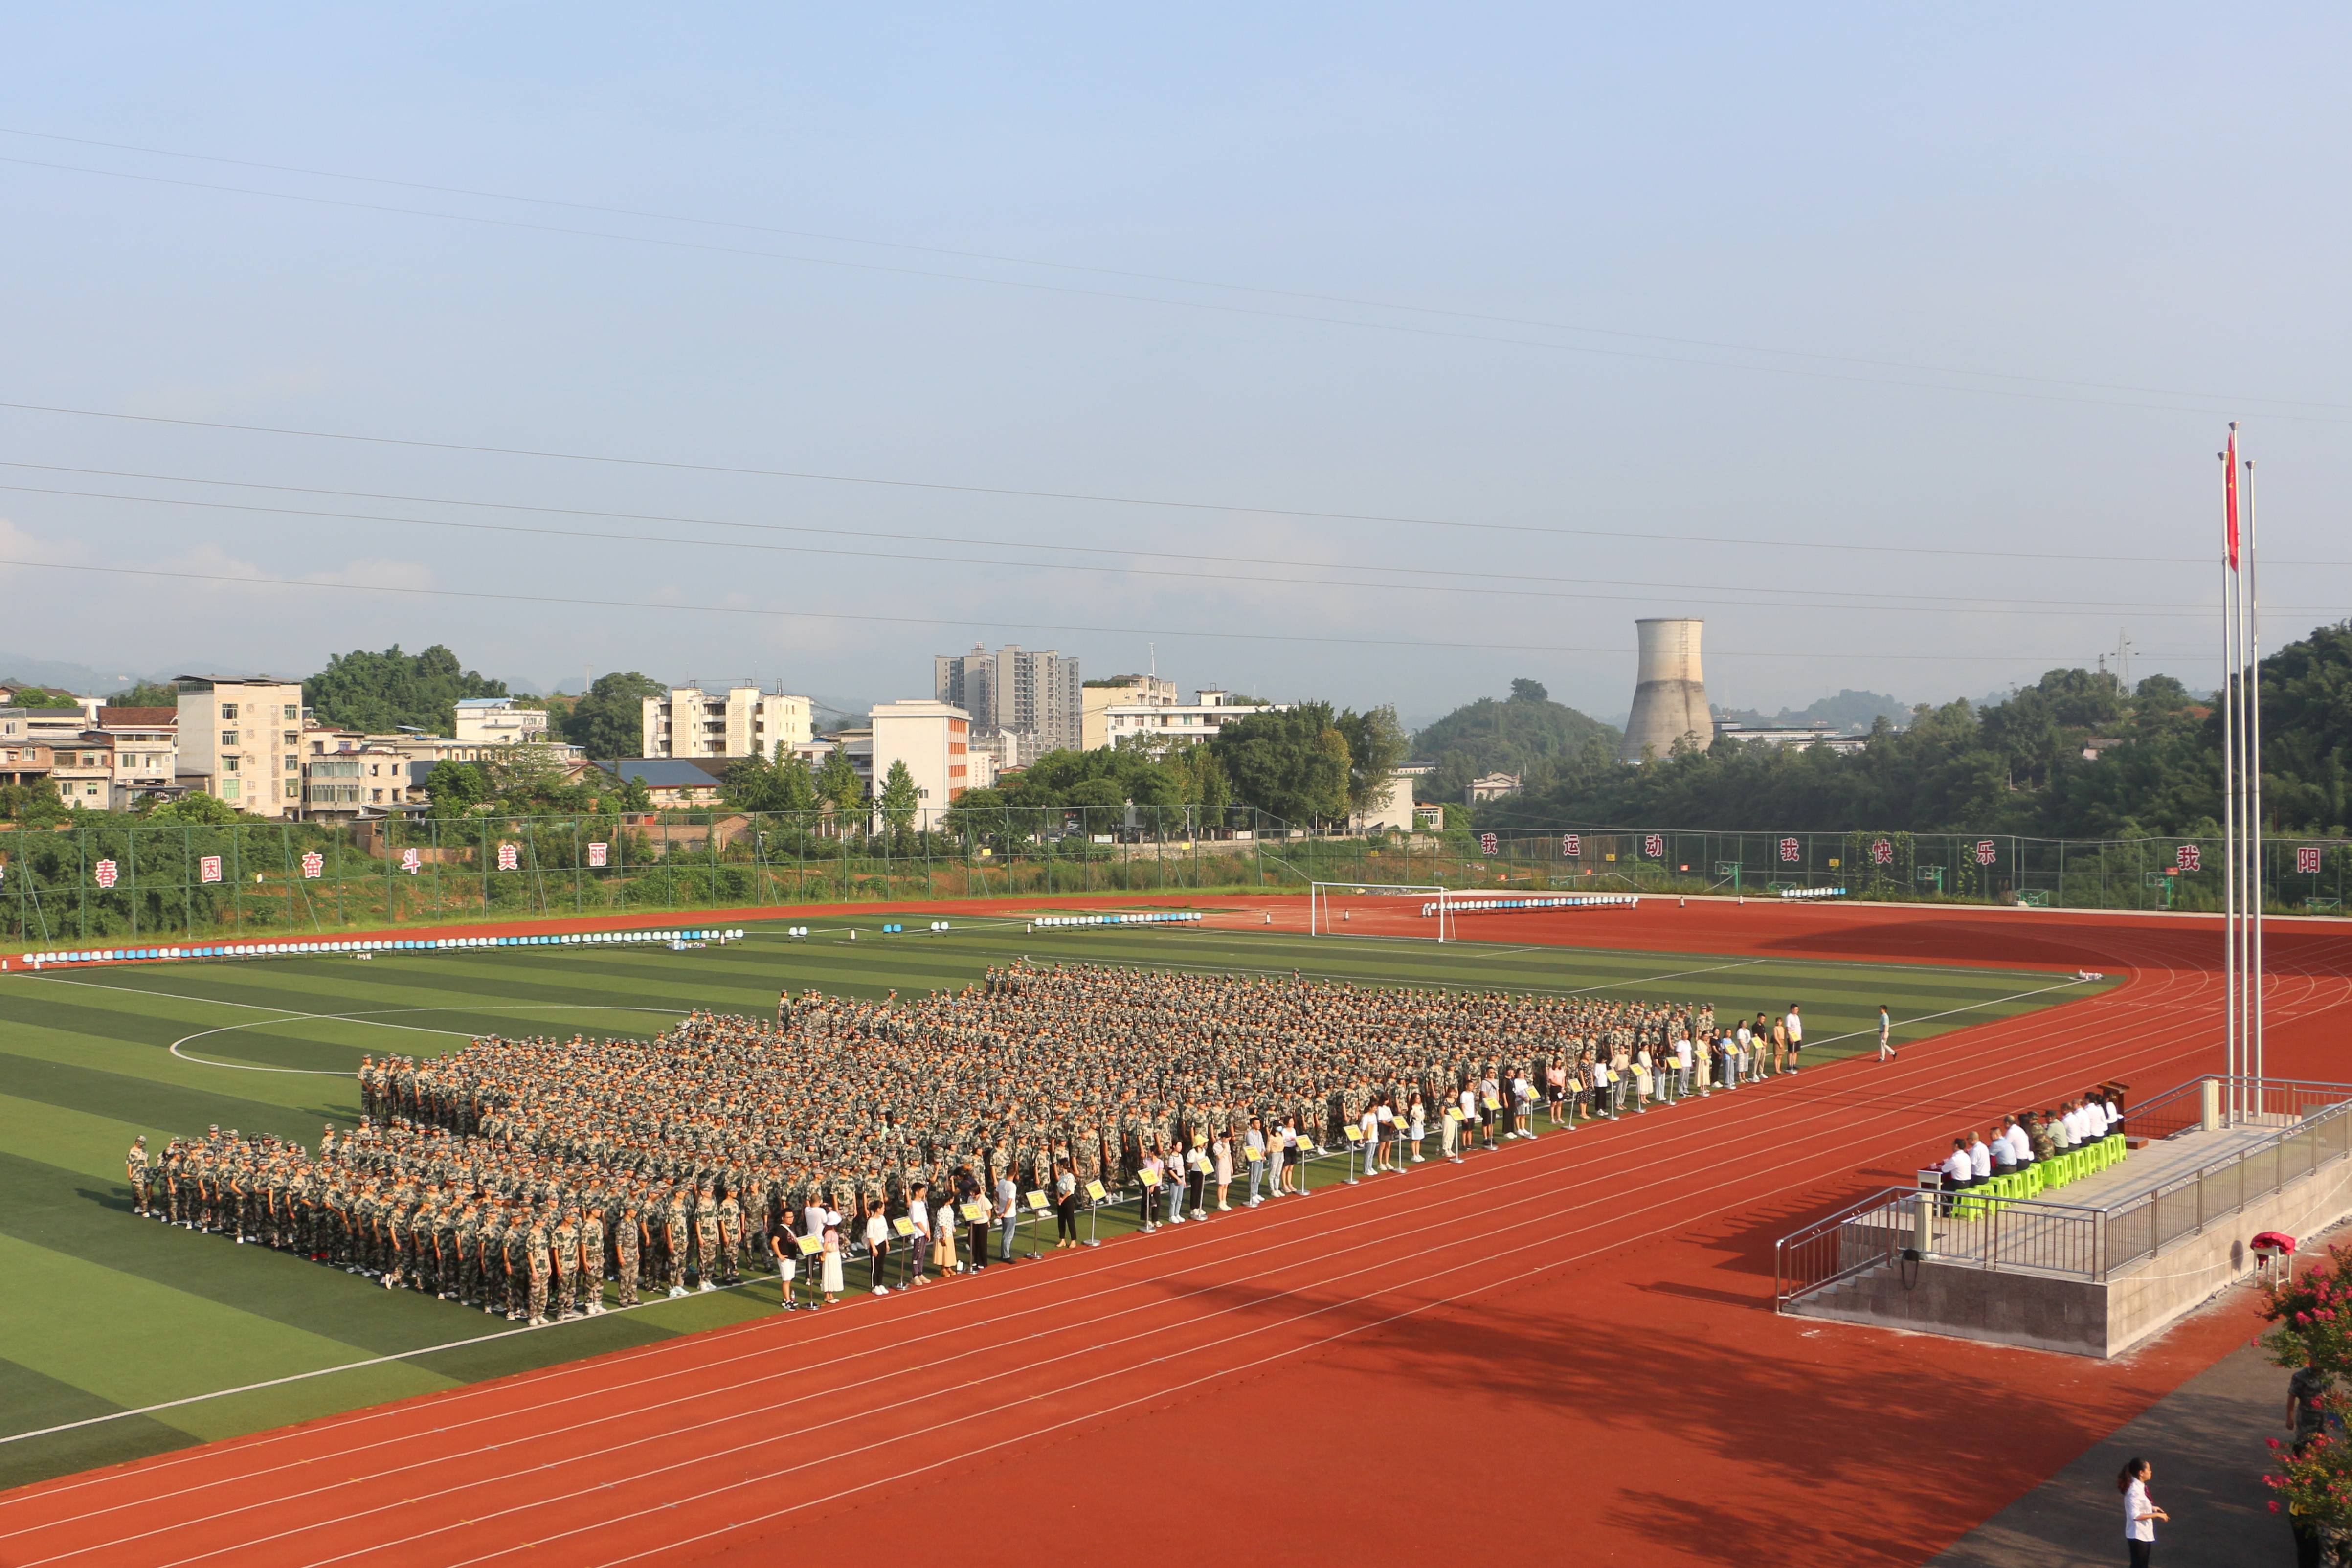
[[1350, 301], [1223, 309], [1781, 598], [568, 601], [1098, 498]]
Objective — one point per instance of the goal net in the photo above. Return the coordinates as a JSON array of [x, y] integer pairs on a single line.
[[1379, 909]]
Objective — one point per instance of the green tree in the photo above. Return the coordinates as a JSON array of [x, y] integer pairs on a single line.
[[1376, 744], [837, 783], [48, 697], [786, 784], [898, 799], [194, 808], [1525, 690], [1293, 763], [608, 721], [379, 691], [32, 805], [634, 797], [1529, 735], [456, 788], [146, 694]]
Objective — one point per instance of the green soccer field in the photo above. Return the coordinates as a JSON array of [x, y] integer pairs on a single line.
[[108, 1313]]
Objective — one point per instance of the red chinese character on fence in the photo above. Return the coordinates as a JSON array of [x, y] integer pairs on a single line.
[[1789, 851], [1881, 852], [1984, 851], [1655, 846], [208, 869], [596, 854], [410, 861], [2306, 858], [312, 863], [105, 873], [1571, 847], [1487, 845], [2188, 857], [507, 857]]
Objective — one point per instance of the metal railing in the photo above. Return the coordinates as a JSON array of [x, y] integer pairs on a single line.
[[2074, 1240]]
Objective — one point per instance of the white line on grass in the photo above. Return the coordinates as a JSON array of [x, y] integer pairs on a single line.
[[345, 1366]]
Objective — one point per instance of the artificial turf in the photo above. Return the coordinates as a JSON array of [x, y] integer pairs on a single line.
[[108, 1313]]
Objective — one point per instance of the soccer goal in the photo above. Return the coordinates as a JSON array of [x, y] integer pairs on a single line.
[[1379, 909]]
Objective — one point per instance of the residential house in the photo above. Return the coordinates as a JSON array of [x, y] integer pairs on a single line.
[[240, 741], [498, 721], [1491, 787], [742, 721], [1173, 723], [146, 750]]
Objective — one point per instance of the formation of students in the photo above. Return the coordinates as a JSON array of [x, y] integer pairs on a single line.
[[2026, 1137], [519, 1175]]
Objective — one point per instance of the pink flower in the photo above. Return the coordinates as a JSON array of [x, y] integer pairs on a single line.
[[2273, 1505]]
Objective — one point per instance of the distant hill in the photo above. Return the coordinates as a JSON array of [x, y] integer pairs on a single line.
[[1849, 709], [1526, 733]]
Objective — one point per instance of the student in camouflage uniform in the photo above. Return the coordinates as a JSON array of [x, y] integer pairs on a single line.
[[591, 1259], [566, 1242], [535, 1260], [626, 1239], [706, 1238]]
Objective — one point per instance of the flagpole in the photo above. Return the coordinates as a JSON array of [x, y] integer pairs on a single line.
[[2252, 574], [2228, 791]]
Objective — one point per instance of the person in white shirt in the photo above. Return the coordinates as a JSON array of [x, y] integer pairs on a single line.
[[1796, 1028], [1254, 1155], [1468, 1102], [1980, 1161], [919, 1215], [1681, 1065], [2114, 1114], [1886, 1034], [1959, 1171], [1008, 1214], [1522, 1106], [2021, 1144], [1417, 1124], [877, 1244], [2140, 1512]]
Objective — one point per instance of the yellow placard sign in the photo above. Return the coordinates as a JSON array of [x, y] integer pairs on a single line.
[[1353, 1135], [903, 1225], [1452, 1113], [1149, 1178], [1493, 1104], [974, 1214], [811, 1246], [1257, 1155], [1036, 1200], [1095, 1191]]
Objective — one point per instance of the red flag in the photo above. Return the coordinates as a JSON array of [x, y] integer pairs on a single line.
[[2230, 493]]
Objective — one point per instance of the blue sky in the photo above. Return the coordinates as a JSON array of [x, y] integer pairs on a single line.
[[1732, 293]]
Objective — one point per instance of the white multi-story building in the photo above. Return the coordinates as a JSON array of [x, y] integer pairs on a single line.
[[498, 721], [1177, 723], [241, 739], [146, 750], [741, 721], [934, 740], [1097, 697]]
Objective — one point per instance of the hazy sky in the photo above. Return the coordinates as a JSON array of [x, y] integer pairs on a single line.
[[1734, 291]]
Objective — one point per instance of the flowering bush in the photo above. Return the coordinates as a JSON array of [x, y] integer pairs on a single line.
[[2311, 1321]]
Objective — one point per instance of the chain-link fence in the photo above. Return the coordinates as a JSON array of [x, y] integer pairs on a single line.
[[117, 877]]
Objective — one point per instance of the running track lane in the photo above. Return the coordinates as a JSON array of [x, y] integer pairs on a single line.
[[1499, 1335]]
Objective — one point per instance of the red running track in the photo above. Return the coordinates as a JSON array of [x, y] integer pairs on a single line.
[[1564, 1343]]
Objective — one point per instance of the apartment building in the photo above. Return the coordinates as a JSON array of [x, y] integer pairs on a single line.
[[741, 721], [146, 749], [1177, 723], [498, 721], [933, 739], [1031, 692], [240, 740]]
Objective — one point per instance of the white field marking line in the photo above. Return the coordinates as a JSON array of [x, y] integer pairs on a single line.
[[1949, 1012], [370, 1019], [1065, 1388], [1383, 1219]]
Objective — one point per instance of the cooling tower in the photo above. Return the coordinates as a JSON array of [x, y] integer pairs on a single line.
[[1669, 693]]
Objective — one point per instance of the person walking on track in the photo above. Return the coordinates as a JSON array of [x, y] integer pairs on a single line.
[[1886, 1034]]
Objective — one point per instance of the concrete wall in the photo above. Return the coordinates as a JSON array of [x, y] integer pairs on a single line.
[[2079, 1317]]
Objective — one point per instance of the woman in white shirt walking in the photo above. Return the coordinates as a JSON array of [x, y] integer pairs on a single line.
[[2141, 1513]]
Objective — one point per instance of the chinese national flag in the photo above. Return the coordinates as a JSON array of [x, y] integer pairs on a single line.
[[2230, 494]]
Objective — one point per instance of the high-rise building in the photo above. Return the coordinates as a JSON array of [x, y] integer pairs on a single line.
[[1033, 693]]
